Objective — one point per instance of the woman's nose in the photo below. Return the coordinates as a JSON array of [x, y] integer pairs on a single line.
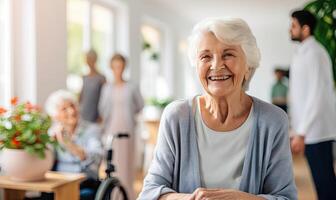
[[217, 63], [71, 110]]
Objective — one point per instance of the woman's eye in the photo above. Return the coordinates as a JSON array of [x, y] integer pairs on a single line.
[[227, 55], [204, 58]]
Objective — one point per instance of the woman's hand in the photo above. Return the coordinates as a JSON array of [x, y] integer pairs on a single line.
[[64, 139], [222, 194]]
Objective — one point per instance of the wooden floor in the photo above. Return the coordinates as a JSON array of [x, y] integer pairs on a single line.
[[302, 178]]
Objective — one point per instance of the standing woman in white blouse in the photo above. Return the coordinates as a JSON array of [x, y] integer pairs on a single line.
[[120, 101]]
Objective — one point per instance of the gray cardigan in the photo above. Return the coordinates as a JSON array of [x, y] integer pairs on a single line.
[[267, 170]]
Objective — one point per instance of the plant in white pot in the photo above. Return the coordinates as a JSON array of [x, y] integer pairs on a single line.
[[154, 108], [24, 141]]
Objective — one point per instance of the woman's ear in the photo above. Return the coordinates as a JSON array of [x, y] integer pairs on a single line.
[[247, 74]]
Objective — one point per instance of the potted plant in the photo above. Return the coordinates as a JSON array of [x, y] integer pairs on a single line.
[[24, 141], [154, 108]]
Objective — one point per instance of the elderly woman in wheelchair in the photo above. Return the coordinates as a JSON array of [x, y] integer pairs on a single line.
[[81, 149]]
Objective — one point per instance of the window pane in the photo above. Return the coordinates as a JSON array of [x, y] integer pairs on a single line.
[[76, 13], [152, 82], [102, 26], [5, 78]]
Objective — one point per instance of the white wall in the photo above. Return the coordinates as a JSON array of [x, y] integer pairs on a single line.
[[39, 48], [5, 53], [23, 49], [268, 19], [173, 31], [51, 45], [39, 40]]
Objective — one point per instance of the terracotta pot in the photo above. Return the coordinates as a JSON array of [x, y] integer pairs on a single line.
[[22, 166]]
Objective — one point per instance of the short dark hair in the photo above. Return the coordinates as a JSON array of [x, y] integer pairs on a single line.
[[279, 70], [305, 17], [118, 56]]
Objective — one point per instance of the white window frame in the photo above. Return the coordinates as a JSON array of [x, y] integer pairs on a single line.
[[87, 36], [6, 81]]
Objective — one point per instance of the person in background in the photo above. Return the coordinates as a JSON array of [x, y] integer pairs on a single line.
[[81, 148], [92, 84], [223, 144], [279, 90], [119, 104], [313, 104]]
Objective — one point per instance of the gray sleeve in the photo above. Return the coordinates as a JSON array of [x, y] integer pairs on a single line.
[[159, 178], [279, 180]]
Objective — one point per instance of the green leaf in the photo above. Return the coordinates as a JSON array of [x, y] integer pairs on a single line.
[[30, 150], [38, 146], [40, 154], [26, 134], [44, 137]]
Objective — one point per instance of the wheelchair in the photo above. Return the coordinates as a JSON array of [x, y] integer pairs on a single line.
[[111, 187]]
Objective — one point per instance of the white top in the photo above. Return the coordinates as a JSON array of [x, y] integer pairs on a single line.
[[119, 122], [118, 107], [222, 154], [312, 95]]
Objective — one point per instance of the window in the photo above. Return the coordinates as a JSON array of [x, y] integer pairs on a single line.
[[5, 73], [89, 25], [76, 10], [152, 83], [102, 37]]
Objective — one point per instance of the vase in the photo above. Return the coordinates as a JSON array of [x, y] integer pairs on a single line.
[[19, 165], [152, 113]]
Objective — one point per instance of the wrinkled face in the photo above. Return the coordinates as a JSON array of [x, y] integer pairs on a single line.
[[296, 30], [67, 113], [117, 67], [221, 68]]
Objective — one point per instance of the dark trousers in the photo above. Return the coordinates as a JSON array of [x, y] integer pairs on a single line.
[[282, 106], [320, 159]]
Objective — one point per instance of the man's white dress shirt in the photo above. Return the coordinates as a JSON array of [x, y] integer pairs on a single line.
[[312, 94]]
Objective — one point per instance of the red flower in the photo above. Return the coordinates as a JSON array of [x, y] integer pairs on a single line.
[[16, 143], [29, 107], [2, 110], [17, 118], [14, 101]]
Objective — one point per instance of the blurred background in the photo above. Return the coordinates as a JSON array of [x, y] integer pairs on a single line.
[[43, 45]]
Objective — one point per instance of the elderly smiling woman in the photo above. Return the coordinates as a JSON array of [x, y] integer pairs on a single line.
[[82, 149], [223, 144]]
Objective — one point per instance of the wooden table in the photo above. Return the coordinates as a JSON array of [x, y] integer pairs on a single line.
[[153, 128], [63, 185]]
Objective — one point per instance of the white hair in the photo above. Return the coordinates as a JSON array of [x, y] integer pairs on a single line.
[[231, 31], [56, 98]]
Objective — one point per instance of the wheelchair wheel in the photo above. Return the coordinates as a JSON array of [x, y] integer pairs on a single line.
[[111, 189]]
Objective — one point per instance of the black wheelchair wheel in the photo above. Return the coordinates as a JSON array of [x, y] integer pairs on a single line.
[[111, 189]]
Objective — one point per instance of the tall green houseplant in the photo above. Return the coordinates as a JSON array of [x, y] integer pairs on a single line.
[[325, 33]]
